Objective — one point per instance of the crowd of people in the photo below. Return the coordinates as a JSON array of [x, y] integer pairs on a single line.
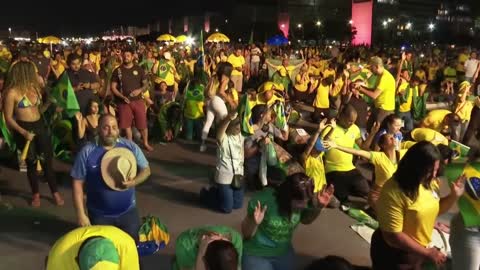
[[291, 125]]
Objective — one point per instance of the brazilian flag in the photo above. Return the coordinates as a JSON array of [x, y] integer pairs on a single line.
[[152, 233], [7, 136], [459, 150], [469, 203], [163, 69], [64, 97], [245, 112]]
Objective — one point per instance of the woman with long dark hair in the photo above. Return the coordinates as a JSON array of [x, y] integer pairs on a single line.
[[273, 215], [23, 113], [408, 206], [221, 97]]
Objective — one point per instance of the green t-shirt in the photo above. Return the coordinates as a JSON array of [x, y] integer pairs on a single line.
[[469, 203], [186, 247], [274, 234]]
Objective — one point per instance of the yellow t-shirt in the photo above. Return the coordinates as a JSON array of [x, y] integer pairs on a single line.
[[96, 59], [435, 118], [407, 106], [314, 168], [420, 73], [65, 250], [336, 160], [328, 72], [337, 87], [190, 64], [386, 99], [285, 71], [237, 62], [429, 135], [384, 167], [462, 58], [313, 71], [321, 99], [465, 111], [301, 83], [398, 213], [432, 73]]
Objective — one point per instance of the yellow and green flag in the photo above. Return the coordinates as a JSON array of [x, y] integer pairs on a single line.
[[469, 203], [64, 97], [7, 136]]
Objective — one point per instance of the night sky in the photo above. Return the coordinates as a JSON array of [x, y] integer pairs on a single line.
[[89, 16]]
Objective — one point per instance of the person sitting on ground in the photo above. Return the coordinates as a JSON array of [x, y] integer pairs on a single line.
[[228, 192], [208, 247], [385, 161], [312, 161], [264, 132], [339, 167], [273, 215], [443, 121], [408, 206], [94, 247], [392, 125]]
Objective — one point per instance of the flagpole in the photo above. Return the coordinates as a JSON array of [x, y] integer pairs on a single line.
[[202, 49]]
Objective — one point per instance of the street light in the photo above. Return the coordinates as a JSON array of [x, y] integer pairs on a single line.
[[390, 20], [408, 26], [385, 23], [319, 23], [431, 26], [299, 25], [216, 29], [9, 32], [350, 22]]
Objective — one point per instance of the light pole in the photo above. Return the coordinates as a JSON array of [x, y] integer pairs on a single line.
[[300, 27]]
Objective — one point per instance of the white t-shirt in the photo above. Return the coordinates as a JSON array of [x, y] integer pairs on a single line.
[[256, 55], [229, 151], [470, 67]]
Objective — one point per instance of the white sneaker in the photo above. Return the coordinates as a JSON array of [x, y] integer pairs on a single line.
[[203, 147]]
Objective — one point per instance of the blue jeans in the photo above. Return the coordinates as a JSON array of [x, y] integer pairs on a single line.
[[407, 119], [285, 262], [129, 222], [465, 244], [223, 198]]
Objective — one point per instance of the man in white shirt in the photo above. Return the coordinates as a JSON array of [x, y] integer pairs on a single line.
[[255, 60], [471, 66]]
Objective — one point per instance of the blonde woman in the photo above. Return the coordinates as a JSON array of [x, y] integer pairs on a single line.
[[23, 113]]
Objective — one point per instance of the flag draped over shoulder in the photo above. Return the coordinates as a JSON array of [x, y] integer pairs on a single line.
[[245, 112], [64, 97]]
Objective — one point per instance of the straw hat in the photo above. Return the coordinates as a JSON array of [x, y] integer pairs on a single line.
[[118, 165]]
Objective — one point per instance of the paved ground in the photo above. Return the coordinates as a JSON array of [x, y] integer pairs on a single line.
[[179, 171]]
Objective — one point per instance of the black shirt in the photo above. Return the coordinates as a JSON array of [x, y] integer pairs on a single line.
[[85, 95], [131, 79]]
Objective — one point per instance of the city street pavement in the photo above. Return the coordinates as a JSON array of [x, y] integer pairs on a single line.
[[179, 171]]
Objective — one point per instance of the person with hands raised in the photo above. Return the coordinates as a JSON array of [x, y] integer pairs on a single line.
[[273, 215], [407, 209], [312, 159], [385, 161], [228, 191]]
